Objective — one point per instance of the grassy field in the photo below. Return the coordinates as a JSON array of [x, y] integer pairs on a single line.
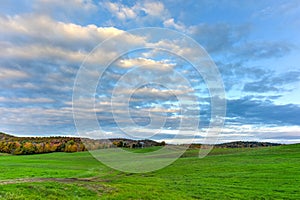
[[261, 173]]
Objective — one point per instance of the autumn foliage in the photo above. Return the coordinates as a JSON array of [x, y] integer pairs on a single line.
[[34, 145]]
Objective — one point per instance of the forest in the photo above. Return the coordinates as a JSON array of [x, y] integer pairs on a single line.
[[37, 145]]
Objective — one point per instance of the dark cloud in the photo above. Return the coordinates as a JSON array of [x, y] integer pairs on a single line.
[[262, 50], [165, 136], [233, 72], [230, 41], [249, 110], [272, 82], [220, 37]]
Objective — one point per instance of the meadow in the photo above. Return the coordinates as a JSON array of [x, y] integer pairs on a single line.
[[226, 173]]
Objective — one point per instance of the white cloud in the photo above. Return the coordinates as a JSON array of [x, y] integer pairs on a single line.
[[146, 63], [24, 86], [43, 29], [153, 92], [160, 109], [27, 100], [141, 11], [48, 39], [178, 47], [170, 23], [245, 132], [67, 4], [36, 116], [41, 52], [121, 11], [65, 8], [154, 8], [40, 37], [6, 73]]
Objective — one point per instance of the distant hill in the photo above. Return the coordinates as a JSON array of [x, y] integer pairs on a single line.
[[34, 145], [243, 144], [123, 142], [239, 144], [4, 136]]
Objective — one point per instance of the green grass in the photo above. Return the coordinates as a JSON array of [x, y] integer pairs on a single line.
[[46, 190], [143, 150], [261, 173]]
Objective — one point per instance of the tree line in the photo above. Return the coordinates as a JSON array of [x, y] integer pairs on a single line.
[[37, 145]]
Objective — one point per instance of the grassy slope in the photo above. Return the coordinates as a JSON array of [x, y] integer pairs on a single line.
[[263, 173]]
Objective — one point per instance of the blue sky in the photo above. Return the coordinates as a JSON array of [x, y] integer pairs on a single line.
[[255, 45]]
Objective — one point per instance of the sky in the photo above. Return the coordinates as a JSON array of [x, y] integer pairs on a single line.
[[50, 47]]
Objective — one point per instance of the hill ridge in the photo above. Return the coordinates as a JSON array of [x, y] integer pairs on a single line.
[[33, 145]]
